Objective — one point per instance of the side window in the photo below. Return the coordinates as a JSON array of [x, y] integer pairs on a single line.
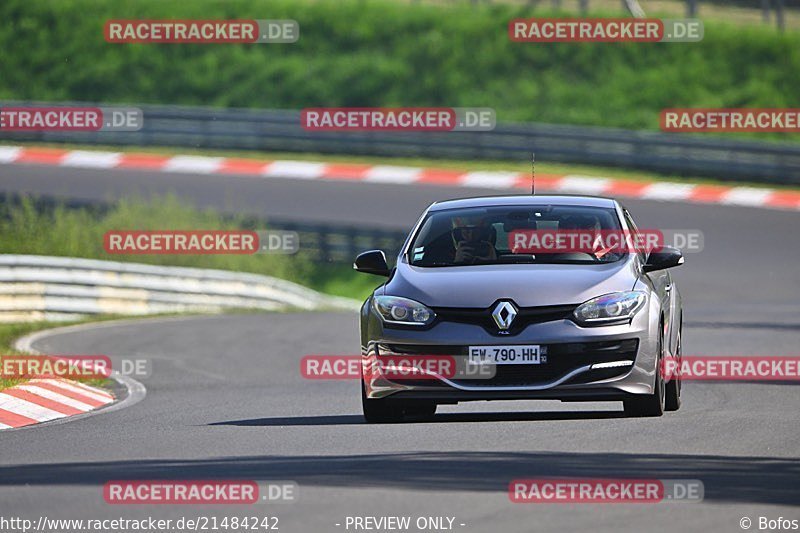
[[501, 240], [632, 226]]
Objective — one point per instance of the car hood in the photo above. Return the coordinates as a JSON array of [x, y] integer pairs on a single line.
[[528, 285]]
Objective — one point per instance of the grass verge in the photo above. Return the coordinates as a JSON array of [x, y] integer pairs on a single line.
[[78, 232], [9, 333]]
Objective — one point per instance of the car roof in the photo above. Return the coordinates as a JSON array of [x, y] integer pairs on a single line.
[[524, 199]]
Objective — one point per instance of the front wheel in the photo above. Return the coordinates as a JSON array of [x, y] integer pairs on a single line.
[[673, 399], [390, 410]]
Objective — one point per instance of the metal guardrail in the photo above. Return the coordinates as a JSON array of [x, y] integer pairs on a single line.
[[42, 287], [341, 244], [275, 130]]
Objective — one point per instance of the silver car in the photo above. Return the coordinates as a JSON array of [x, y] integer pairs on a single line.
[[570, 325]]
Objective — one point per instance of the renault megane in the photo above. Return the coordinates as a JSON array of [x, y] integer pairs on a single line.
[[587, 323]]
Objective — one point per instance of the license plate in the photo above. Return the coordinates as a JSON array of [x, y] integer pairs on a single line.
[[505, 355]]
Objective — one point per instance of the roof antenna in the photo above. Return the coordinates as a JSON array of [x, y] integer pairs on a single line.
[[533, 173]]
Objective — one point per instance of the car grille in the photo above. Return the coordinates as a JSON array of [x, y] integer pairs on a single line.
[[562, 358], [483, 316]]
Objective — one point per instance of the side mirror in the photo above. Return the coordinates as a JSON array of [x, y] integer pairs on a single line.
[[666, 257], [372, 262]]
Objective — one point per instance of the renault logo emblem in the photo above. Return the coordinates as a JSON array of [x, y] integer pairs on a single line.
[[504, 314]]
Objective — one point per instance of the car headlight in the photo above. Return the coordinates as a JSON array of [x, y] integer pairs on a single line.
[[617, 307], [396, 310]]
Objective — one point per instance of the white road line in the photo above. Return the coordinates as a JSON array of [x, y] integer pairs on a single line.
[[87, 388], [94, 394], [583, 184], [392, 174], [746, 196], [494, 180], [56, 397], [9, 154], [667, 191], [28, 409], [295, 169], [191, 163], [84, 159]]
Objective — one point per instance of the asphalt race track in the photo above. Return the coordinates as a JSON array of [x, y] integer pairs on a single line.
[[226, 399]]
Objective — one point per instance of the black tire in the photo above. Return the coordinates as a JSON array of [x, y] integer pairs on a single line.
[[672, 401], [392, 411], [418, 409], [655, 403]]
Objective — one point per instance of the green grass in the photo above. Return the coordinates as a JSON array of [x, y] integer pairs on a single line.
[[9, 333], [342, 280], [380, 53]]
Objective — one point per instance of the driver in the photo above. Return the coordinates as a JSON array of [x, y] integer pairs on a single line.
[[591, 225], [473, 240]]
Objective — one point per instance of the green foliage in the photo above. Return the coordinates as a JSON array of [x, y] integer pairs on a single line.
[[9, 333], [79, 233], [373, 53]]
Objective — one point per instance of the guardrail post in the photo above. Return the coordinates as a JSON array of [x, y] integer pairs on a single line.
[[324, 245], [779, 15], [352, 245]]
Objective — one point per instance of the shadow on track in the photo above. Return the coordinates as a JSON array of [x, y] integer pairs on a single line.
[[740, 325], [346, 420], [762, 480]]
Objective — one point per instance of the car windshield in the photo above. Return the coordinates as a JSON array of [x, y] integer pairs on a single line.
[[511, 234]]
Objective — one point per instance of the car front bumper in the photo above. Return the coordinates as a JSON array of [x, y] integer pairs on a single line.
[[569, 373]]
